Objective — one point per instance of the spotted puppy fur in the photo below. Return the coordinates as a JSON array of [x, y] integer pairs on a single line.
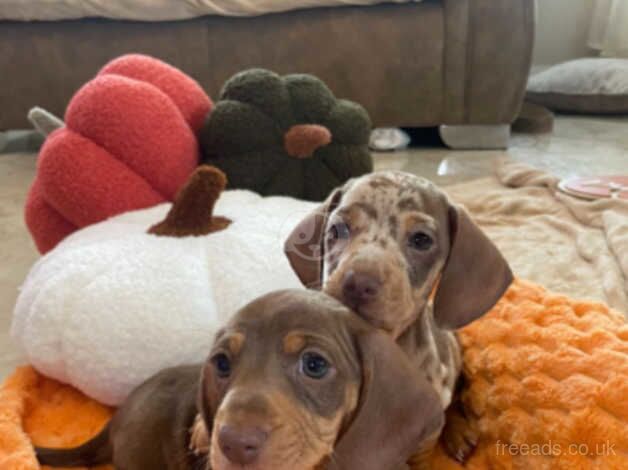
[[395, 249]]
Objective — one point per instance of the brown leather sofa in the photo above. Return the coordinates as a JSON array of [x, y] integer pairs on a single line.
[[458, 63]]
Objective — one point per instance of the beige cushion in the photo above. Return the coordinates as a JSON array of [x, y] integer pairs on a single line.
[[589, 86], [157, 10]]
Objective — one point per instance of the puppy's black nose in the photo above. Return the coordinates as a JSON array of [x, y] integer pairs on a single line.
[[241, 445], [359, 288]]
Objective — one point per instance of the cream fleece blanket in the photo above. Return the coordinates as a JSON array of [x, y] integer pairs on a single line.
[[568, 245]]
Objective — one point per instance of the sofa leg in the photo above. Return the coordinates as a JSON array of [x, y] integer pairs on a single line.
[[475, 137]]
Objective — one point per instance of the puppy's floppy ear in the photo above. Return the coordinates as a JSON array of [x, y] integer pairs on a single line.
[[305, 247], [399, 413], [207, 401], [475, 275]]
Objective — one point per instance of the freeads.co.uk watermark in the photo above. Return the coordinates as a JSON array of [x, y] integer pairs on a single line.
[[555, 449]]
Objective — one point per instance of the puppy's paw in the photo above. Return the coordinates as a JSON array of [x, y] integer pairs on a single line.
[[460, 435], [199, 437]]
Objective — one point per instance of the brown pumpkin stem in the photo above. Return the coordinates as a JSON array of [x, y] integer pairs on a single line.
[[192, 210], [302, 140]]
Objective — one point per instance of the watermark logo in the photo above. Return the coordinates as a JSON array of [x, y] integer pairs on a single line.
[[307, 238], [555, 449]]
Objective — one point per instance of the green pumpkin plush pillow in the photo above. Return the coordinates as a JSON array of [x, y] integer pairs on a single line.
[[286, 135]]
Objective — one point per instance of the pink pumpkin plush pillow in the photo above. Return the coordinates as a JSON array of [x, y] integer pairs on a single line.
[[129, 142]]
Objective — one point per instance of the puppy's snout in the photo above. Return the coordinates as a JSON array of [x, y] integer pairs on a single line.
[[359, 288], [241, 445]]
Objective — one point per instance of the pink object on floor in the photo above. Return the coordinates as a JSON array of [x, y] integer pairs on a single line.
[[596, 187], [129, 142]]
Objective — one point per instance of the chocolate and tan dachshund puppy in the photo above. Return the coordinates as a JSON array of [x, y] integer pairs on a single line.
[[295, 381], [393, 247]]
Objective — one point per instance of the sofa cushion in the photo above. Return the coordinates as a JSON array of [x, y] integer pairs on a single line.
[[158, 10], [589, 86]]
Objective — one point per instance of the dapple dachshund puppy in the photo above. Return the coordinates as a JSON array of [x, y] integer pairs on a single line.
[[295, 381], [391, 246]]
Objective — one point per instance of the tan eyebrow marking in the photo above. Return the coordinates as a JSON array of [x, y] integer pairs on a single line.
[[419, 218], [293, 342], [235, 343]]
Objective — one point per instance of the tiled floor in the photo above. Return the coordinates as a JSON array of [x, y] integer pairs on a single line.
[[578, 145]]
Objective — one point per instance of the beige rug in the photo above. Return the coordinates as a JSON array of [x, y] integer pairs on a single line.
[[569, 245]]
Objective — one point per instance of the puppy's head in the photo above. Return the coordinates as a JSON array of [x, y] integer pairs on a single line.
[[296, 375], [387, 241]]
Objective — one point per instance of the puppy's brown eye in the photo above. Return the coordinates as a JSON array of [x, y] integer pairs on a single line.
[[314, 365], [339, 231], [420, 241], [222, 364]]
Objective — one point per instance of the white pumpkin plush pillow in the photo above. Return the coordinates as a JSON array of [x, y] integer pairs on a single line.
[[113, 304]]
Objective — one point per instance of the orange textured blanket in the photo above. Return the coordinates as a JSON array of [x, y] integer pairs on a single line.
[[548, 386]]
